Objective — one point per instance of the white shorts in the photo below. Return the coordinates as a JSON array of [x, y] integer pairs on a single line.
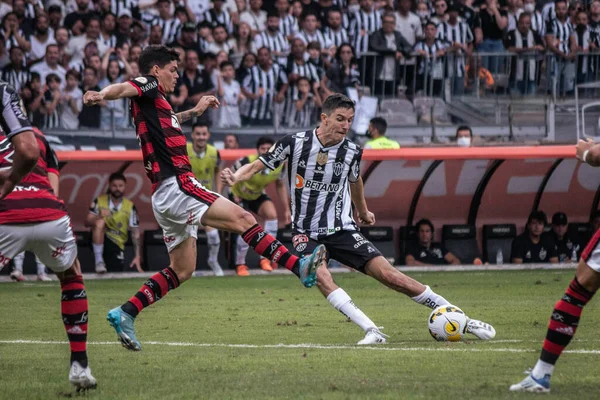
[[53, 242], [591, 253], [179, 204]]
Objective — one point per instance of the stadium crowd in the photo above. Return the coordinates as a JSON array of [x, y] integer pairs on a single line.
[[273, 61]]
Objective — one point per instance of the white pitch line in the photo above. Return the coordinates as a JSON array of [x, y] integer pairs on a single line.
[[308, 346]]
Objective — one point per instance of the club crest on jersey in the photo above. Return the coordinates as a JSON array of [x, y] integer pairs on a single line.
[[322, 158], [338, 167]]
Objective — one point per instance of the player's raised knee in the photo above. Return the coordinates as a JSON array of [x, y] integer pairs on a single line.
[[244, 220]]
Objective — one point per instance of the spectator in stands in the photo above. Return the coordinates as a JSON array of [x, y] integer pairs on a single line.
[[426, 252], [531, 246], [71, 101], [273, 39], [124, 23], [439, 15], [134, 53], [594, 20], [513, 11], [408, 23], [304, 112], [61, 37], [107, 28], [314, 57], [297, 66], [82, 13], [464, 136], [334, 31], [217, 15], [311, 33], [423, 13], [524, 67], [156, 35], [89, 117], [110, 217], [49, 105], [170, 26], [13, 33], [255, 17], [246, 64], [560, 40], [392, 48], [196, 83], [584, 44], [566, 248], [574, 7], [364, 22], [77, 44], [16, 73], [25, 16], [263, 87], [33, 95], [220, 41], [288, 24], [376, 135], [493, 22], [231, 142], [242, 44], [343, 73], [55, 17], [188, 37], [476, 74], [137, 35], [230, 95], [430, 52], [41, 38], [115, 113]]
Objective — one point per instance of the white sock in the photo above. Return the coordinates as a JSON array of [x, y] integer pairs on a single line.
[[430, 299], [41, 268], [214, 242], [340, 300], [542, 369], [241, 251], [18, 261], [98, 250]]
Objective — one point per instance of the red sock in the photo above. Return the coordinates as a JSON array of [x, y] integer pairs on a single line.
[[74, 308], [152, 291], [269, 247], [564, 321]]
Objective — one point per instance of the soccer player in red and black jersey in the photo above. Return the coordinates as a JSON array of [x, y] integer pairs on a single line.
[[564, 320], [179, 201], [33, 218]]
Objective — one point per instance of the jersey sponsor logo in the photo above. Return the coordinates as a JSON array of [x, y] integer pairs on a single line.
[[274, 247], [149, 86], [314, 185], [357, 236], [322, 157], [276, 150], [141, 80], [299, 182], [302, 164], [26, 189], [276, 256], [338, 209], [338, 167], [149, 295]]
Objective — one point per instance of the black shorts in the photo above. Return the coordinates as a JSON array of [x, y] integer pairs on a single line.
[[251, 205], [350, 248], [114, 257]]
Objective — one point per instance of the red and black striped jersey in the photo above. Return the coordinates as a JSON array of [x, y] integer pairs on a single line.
[[33, 199], [159, 133]]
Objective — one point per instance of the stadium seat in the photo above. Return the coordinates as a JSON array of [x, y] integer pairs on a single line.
[[461, 240], [383, 238], [580, 233], [498, 237], [408, 238], [84, 251]]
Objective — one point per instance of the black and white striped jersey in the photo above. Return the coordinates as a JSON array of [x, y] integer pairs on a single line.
[[109, 42], [288, 25], [170, 28], [337, 37], [459, 33], [538, 24], [52, 120], [215, 19], [315, 37], [117, 5], [17, 79], [271, 82], [319, 178], [548, 12], [583, 38], [276, 42], [562, 31], [307, 70], [362, 26], [304, 117], [431, 65]]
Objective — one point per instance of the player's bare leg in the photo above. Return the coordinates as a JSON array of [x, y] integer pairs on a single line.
[[74, 309], [341, 301], [268, 211], [561, 329], [98, 245], [214, 243], [380, 269]]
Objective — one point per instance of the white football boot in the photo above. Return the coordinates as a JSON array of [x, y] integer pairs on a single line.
[[101, 267], [81, 378], [480, 329], [531, 384], [374, 336], [44, 278]]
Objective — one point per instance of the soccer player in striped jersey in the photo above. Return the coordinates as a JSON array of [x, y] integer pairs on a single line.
[[33, 218], [564, 320], [251, 196], [179, 201], [325, 182]]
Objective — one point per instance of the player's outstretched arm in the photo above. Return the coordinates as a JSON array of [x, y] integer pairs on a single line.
[[204, 103], [244, 173], [588, 152], [26, 154], [111, 92]]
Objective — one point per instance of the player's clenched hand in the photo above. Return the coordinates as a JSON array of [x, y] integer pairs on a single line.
[[228, 177], [92, 98], [206, 102], [366, 218], [582, 146]]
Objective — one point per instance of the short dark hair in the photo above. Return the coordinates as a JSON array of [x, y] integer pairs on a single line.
[[156, 55], [200, 125], [430, 23], [52, 78], [226, 64], [117, 176], [464, 128], [74, 73], [335, 101], [264, 140], [302, 78], [537, 216], [380, 124], [424, 221], [314, 46]]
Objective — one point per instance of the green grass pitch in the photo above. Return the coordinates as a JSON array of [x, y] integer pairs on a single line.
[[188, 340]]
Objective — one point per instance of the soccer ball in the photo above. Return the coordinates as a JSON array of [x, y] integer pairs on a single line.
[[447, 323]]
